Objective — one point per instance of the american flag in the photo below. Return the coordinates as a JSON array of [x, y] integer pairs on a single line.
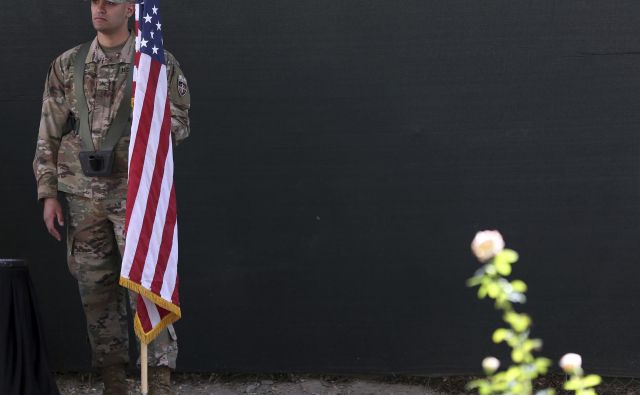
[[150, 261]]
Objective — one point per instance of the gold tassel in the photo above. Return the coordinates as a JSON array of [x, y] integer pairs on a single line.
[[173, 316]]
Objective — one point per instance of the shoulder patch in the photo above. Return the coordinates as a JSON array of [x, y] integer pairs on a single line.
[[182, 85]]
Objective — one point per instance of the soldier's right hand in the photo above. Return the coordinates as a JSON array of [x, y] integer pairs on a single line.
[[53, 211]]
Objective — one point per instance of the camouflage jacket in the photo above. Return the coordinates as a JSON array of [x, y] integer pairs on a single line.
[[56, 165]]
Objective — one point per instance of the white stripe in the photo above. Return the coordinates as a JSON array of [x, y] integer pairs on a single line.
[[171, 271], [152, 311], [138, 33], [135, 222], [159, 221], [171, 274], [140, 203]]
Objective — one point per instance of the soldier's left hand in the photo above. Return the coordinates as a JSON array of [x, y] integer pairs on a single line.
[[53, 211]]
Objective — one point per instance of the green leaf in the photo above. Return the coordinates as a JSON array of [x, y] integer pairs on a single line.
[[482, 292], [519, 322], [475, 383], [493, 289], [498, 382], [512, 373], [589, 391], [591, 380], [503, 267], [517, 388], [519, 286], [500, 387], [500, 335], [473, 281], [517, 355], [503, 304], [509, 255], [532, 344], [574, 384], [542, 364]]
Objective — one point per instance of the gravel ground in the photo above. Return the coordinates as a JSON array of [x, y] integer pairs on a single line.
[[199, 384], [289, 384]]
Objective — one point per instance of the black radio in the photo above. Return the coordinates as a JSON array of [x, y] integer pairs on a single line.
[[96, 163]]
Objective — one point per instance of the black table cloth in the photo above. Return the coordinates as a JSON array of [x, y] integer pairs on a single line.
[[24, 368]]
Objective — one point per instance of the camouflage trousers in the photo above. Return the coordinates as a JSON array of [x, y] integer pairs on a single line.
[[95, 242]]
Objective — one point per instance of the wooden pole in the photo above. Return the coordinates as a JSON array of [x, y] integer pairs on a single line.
[[144, 384]]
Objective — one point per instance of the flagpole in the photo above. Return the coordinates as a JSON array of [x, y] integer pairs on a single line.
[[144, 384]]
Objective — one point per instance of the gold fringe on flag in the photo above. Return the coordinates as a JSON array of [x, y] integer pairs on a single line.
[[173, 316]]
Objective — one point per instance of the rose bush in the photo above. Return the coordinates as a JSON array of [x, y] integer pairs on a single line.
[[517, 379]]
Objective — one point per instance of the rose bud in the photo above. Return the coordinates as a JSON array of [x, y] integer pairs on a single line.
[[487, 244], [570, 362], [490, 364]]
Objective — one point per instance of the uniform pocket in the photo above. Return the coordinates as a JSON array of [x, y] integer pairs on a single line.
[[72, 263]]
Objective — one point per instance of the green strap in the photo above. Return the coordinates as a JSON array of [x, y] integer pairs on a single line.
[[120, 125], [81, 105]]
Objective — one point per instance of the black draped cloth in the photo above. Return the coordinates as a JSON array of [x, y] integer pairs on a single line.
[[24, 368]]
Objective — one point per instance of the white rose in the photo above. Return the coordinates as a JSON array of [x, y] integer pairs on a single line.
[[570, 362], [490, 364], [487, 244]]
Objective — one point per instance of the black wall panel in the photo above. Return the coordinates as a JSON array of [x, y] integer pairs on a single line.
[[344, 153]]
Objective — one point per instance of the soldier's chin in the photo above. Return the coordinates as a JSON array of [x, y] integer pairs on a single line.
[[103, 29]]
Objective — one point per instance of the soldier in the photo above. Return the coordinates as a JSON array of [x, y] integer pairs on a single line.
[[96, 204]]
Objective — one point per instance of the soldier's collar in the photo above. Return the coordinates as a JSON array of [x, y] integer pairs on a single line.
[[97, 55]]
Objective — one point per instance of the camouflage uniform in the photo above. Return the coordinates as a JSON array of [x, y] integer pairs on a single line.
[[95, 218]]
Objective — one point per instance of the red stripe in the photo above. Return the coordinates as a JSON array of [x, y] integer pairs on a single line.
[[137, 159], [166, 244], [143, 315], [155, 187], [142, 137], [162, 312], [175, 297]]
